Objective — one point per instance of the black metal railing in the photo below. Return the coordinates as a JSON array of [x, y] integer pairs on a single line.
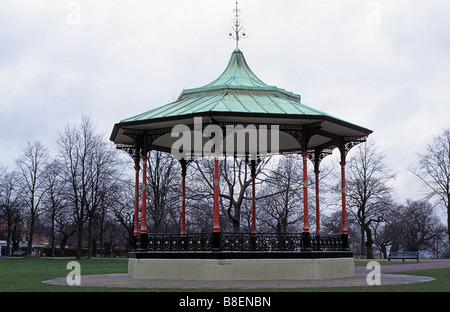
[[178, 242], [244, 242]]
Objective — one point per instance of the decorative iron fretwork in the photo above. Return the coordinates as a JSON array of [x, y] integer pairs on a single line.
[[243, 242], [128, 148], [350, 142], [296, 131], [134, 134], [326, 242], [179, 242], [317, 156], [302, 133]]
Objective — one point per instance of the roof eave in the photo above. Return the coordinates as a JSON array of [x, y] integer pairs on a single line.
[[134, 123]]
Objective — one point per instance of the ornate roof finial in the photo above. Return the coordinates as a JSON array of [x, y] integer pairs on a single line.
[[237, 32]]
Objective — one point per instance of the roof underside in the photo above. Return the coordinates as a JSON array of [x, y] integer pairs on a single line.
[[238, 96]]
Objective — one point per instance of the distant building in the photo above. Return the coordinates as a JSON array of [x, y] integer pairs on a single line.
[[2, 245]]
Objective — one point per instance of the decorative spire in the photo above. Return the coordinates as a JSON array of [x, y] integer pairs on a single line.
[[237, 32]]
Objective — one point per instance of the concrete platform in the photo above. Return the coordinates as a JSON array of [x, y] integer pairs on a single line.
[[240, 269]]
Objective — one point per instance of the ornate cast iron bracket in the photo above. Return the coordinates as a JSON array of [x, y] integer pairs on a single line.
[[317, 155], [302, 133]]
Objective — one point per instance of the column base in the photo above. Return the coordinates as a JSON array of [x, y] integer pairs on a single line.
[[143, 238], [215, 243], [306, 241], [345, 245]]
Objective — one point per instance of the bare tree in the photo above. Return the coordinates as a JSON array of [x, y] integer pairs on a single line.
[[368, 192], [200, 193], [419, 227], [236, 173], [121, 200], [72, 153], [66, 227], [387, 233], [106, 169], [54, 199], [163, 191], [31, 165], [199, 199], [83, 158], [10, 211], [234, 179], [433, 171], [281, 194]]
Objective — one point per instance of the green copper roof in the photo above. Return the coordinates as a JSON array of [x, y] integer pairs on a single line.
[[238, 90], [237, 75], [237, 96]]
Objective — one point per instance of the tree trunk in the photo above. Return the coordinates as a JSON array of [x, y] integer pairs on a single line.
[[363, 241], [89, 251], [30, 236], [52, 229], [53, 237], [79, 240], [62, 245], [448, 217], [63, 242], [369, 244], [237, 218], [8, 240], [101, 227], [384, 252]]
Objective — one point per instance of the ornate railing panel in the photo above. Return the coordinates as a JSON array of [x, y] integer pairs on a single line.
[[178, 242], [198, 242], [327, 242], [279, 242], [243, 242]]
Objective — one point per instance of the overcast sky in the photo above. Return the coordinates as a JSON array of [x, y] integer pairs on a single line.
[[383, 64]]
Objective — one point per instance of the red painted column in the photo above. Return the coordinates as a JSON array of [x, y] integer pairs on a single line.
[[144, 196], [305, 193], [183, 196], [136, 201], [344, 209], [216, 227], [316, 172], [253, 169]]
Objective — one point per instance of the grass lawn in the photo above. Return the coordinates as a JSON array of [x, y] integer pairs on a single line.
[[27, 274]]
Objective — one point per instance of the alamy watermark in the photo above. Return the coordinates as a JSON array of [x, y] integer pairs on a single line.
[[74, 276], [374, 276], [250, 140], [73, 13], [373, 18]]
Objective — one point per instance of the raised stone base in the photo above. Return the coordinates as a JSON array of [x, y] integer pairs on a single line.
[[240, 269]]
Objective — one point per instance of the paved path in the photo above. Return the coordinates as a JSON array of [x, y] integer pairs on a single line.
[[123, 280], [402, 267], [360, 279]]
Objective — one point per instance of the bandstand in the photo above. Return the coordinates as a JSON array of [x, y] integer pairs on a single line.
[[238, 115]]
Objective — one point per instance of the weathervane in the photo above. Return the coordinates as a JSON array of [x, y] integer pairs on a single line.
[[237, 32]]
